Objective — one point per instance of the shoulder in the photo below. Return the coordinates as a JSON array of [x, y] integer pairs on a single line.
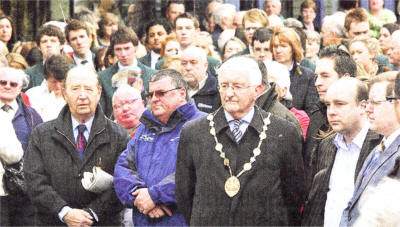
[[34, 69], [108, 71], [115, 128], [145, 68], [200, 122], [306, 72], [212, 60]]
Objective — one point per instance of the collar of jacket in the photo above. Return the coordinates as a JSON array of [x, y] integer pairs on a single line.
[[221, 124], [210, 87], [64, 123], [23, 110], [181, 114], [266, 100], [320, 107]]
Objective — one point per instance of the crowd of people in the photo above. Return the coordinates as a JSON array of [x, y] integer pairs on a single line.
[[245, 118]]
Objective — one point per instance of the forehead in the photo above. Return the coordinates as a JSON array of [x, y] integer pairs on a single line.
[[232, 44], [252, 24], [5, 21], [191, 54], [184, 22], [261, 44], [378, 90], [123, 45], [338, 92], [234, 75], [176, 7], [324, 64], [164, 83], [172, 44], [81, 78], [4, 75], [126, 95], [359, 26], [78, 32], [157, 28], [358, 45], [45, 37]]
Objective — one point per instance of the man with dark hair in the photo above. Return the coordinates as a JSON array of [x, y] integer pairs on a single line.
[[380, 162], [356, 23], [47, 98], [49, 40], [156, 31], [186, 28], [333, 63], [341, 154], [174, 9], [260, 44], [144, 173], [78, 37], [124, 43], [60, 151]]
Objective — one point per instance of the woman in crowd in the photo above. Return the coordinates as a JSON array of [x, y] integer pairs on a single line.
[[231, 47], [17, 61], [170, 46], [385, 36], [308, 14], [7, 32], [107, 26], [379, 16], [313, 43], [364, 51], [286, 49]]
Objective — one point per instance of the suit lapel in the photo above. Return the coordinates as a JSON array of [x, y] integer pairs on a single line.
[[371, 140]]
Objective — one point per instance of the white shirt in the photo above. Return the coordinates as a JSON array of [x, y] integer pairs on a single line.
[[88, 125], [133, 66], [11, 113], [154, 57], [45, 102], [89, 59], [341, 182]]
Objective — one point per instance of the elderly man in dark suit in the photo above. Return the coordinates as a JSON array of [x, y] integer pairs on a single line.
[[124, 43], [61, 150], [240, 165], [340, 155], [380, 162]]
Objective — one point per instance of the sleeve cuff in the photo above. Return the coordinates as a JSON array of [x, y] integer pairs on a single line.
[[63, 212], [94, 215]]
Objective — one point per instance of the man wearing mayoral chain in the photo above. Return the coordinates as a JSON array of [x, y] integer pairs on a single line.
[[240, 165]]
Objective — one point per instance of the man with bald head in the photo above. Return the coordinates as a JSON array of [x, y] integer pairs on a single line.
[[341, 154], [202, 85], [61, 150]]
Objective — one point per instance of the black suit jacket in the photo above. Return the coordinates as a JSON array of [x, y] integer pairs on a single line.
[[53, 168], [314, 210]]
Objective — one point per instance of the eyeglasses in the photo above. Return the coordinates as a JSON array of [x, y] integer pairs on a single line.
[[159, 94], [376, 102], [235, 87], [4, 83], [127, 102], [391, 98]]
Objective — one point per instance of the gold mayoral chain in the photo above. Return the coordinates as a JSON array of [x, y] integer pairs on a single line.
[[232, 184]]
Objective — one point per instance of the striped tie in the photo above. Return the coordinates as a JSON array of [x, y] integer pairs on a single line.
[[237, 133]]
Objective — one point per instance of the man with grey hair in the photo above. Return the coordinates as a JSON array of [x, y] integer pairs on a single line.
[[394, 50], [202, 85], [24, 119], [332, 28], [144, 173], [223, 16], [239, 165], [273, 7]]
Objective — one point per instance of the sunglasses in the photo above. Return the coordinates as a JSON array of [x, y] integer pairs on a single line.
[[159, 94], [4, 83]]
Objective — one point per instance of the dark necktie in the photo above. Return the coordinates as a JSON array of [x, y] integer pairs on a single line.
[[84, 62], [81, 140], [236, 130], [6, 108]]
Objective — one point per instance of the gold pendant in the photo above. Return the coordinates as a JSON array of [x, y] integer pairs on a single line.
[[232, 186]]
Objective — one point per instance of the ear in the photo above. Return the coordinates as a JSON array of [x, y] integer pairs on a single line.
[[346, 75], [259, 90]]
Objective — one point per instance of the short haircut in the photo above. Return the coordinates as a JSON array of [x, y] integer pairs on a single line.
[[262, 35], [308, 4], [180, 2], [56, 66], [356, 15], [256, 16], [335, 23], [123, 35], [397, 85], [73, 25], [245, 64], [83, 70], [155, 22], [362, 91], [233, 39], [176, 78], [343, 62], [189, 16], [386, 77], [313, 36], [50, 30], [391, 27], [221, 10], [289, 35]]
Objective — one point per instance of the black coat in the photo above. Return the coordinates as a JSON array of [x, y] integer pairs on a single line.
[[53, 168], [302, 88], [271, 192], [207, 98], [314, 210]]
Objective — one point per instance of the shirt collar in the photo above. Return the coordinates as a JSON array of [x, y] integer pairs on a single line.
[[199, 87], [13, 104], [88, 58], [358, 140], [246, 118], [389, 140], [133, 66], [88, 123], [154, 57]]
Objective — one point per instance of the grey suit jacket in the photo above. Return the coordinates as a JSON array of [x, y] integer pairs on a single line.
[[382, 168]]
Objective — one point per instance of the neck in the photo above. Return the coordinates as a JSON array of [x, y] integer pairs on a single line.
[[375, 11], [240, 115], [288, 64], [81, 56], [350, 135], [391, 130], [6, 101], [82, 119]]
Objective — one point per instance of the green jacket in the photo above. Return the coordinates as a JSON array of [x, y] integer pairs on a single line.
[[35, 74], [108, 91]]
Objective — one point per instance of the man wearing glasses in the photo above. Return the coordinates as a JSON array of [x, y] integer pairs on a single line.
[[24, 119], [380, 162], [240, 165], [144, 174]]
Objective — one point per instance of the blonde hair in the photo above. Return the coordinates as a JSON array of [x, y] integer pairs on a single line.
[[16, 61], [256, 16]]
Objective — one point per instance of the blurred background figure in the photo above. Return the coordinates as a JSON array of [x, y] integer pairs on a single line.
[[313, 44], [108, 24], [231, 47], [379, 16], [7, 31], [385, 36]]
